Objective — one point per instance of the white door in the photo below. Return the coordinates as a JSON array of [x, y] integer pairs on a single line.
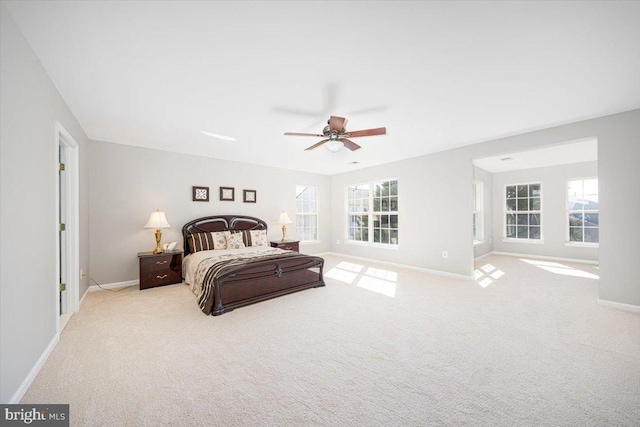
[[63, 239]]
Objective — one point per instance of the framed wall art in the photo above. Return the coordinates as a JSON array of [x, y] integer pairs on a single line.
[[200, 194], [250, 196], [227, 194]]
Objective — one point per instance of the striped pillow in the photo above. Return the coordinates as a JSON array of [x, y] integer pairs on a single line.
[[207, 241]]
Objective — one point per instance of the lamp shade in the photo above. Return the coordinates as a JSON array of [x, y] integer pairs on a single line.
[[284, 219], [157, 220]]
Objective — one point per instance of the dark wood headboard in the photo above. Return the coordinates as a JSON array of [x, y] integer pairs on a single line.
[[209, 224]]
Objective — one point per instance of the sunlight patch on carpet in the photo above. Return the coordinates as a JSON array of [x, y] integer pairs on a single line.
[[557, 268], [486, 275], [372, 279]]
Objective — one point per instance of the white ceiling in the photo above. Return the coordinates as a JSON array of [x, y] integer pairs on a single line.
[[552, 155], [437, 74]]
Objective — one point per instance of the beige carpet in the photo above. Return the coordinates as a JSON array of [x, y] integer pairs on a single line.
[[377, 346]]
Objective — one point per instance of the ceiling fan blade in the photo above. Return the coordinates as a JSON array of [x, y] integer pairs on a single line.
[[336, 124], [350, 144], [303, 134], [366, 132], [316, 145]]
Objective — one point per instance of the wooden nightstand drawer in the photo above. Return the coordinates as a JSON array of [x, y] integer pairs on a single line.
[[293, 245], [160, 269]]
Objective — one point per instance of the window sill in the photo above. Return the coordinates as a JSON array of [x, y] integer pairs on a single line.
[[478, 242], [525, 241], [582, 244], [372, 245]]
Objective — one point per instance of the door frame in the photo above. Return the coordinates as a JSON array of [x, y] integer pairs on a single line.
[[62, 137]]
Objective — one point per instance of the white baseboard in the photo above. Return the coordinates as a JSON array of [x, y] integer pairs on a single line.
[[114, 285], [405, 266], [323, 253], [19, 394], [619, 305], [552, 258], [483, 256], [84, 296]]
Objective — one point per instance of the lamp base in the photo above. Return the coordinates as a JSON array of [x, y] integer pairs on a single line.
[[284, 233], [158, 249]]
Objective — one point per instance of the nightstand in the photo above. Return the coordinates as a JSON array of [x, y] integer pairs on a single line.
[[160, 269], [289, 245]]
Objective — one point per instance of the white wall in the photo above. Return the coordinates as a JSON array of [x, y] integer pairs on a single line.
[[435, 199], [30, 107], [486, 178], [554, 205], [128, 183], [434, 193]]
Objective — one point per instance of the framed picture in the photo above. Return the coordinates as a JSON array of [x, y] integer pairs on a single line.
[[200, 194], [227, 193], [250, 196]]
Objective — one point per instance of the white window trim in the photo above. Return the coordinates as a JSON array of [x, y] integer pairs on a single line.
[[479, 213], [525, 241], [568, 242], [370, 243], [504, 215], [317, 214]]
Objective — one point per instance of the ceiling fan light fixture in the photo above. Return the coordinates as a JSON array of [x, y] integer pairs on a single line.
[[334, 145], [218, 136]]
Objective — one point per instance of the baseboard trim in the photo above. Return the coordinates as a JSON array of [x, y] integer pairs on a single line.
[[619, 305], [483, 256], [405, 266], [552, 258], [19, 394], [84, 296], [114, 285]]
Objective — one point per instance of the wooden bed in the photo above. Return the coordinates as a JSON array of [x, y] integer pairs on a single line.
[[259, 280]]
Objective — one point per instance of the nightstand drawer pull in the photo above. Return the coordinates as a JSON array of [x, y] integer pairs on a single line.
[[161, 277], [163, 262]]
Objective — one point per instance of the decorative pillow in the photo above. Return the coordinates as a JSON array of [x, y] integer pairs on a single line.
[[220, 239], [200, 242], [234, 241], [258, 237]]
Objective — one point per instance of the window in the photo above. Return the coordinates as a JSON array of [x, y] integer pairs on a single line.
[[372, 212], [582, 210], [523, 209], [306, 213], [478, 208]]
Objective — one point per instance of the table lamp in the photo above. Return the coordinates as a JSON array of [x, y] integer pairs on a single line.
[[158, 221], [284, 220]]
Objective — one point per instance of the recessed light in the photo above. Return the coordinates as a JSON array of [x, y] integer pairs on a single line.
[[506, 159], [222, 137], [353, 163]]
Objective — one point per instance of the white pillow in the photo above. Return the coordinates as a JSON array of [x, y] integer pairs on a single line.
[[258, 237], [234, 241], [220, 239]]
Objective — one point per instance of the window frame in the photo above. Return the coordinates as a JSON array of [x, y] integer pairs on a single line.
[[539, 211], [317, 215], [370, 213], [478, 214], [568, 241]]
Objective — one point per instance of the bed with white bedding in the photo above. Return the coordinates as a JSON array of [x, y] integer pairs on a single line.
[[228, 265]]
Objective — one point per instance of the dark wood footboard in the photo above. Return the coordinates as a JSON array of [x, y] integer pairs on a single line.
[[266, 279]]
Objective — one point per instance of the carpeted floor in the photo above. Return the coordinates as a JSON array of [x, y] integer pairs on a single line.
[[526, 344]]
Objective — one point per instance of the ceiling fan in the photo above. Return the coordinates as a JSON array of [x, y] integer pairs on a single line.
[[337, 136]]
